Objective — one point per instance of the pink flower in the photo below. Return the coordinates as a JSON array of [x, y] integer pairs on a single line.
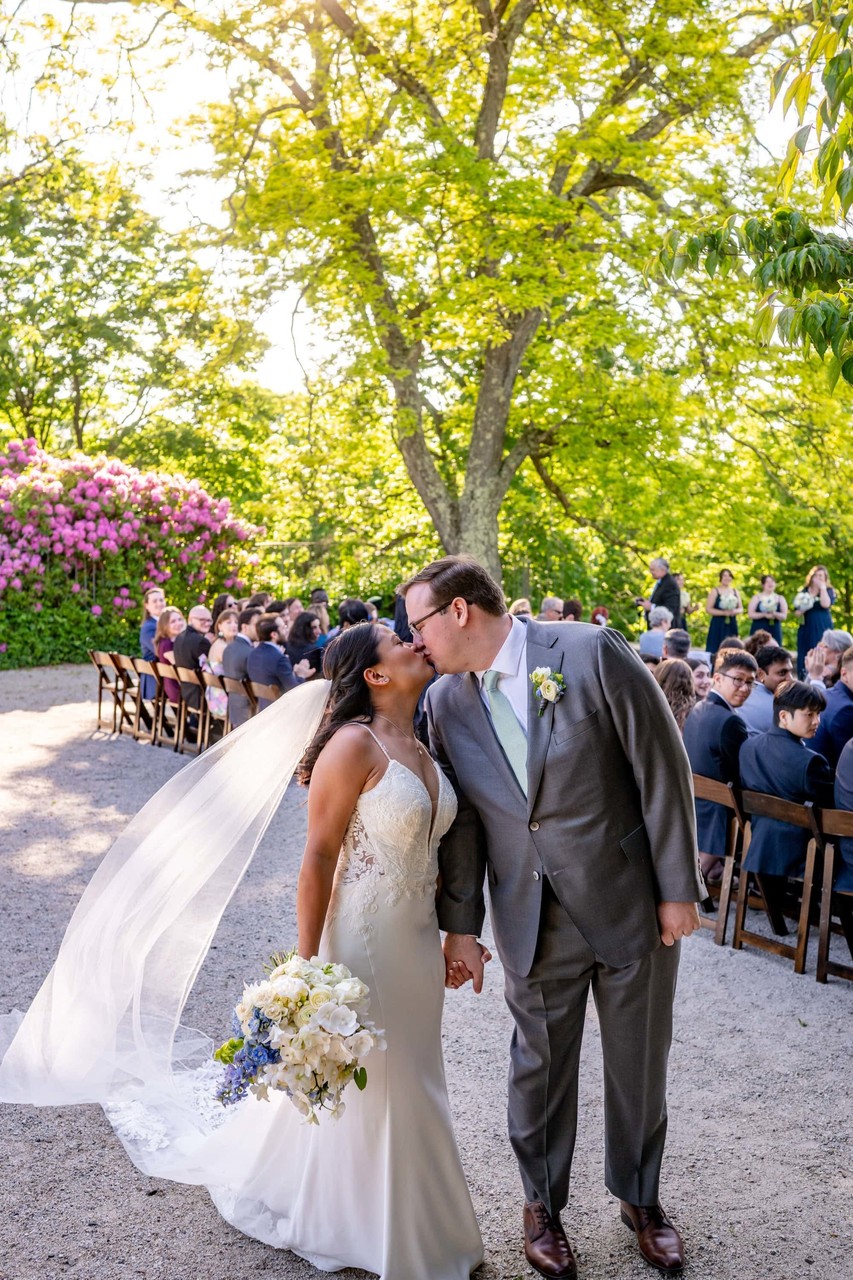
[[3, 648], [97, 610], [75, 587], [38, 606]]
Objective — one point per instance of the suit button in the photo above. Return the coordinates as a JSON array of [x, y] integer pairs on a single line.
[[534, 826], [535, 875]]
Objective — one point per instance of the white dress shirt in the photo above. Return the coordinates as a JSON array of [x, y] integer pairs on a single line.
[[511, 662]]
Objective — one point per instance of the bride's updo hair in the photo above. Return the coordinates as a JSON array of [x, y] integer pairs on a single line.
[[345, 661]]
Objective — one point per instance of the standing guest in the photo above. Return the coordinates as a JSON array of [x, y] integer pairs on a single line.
[[685, 605], [153, 604], [223, 601], [189, 647], [843, 879], [303, 640], [701, 677], [775, 668], [779, 763], [320, 606], [723, 604], [836, 723], [600, 616], [713, 736], [757, 640], [521, 608], [676, 680], [767, 609], [823, 663], [268, 664], [666, 593], [813, 607], [572, 610], [551, 610], [170, 624], [676, 643], [235, 660], [652, 641]]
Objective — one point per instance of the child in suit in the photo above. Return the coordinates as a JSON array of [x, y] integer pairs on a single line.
[[779, 763]]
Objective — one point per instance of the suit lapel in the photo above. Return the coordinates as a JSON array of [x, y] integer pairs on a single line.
[[540, 653]]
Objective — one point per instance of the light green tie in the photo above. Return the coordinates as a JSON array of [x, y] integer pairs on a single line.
[[508, 731]]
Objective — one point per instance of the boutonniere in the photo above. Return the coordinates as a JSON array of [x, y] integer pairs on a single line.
[[549, 685]]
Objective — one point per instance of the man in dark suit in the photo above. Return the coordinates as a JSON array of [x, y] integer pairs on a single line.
[[576, 806], [268, 664], [235, 660], [666, 591], [836, 722], [188, 648], [713, 736]]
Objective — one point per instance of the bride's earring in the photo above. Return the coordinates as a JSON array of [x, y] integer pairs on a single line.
[[376, 677]]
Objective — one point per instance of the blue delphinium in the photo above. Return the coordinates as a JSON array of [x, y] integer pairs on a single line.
[[244, 1056]]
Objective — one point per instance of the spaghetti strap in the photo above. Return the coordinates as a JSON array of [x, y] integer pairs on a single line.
[[376, 740]]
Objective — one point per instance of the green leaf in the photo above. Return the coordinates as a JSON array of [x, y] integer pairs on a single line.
[[360, 1077]]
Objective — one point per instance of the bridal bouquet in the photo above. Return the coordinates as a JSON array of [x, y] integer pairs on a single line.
[[727, 600], [803, 601], [303, 1030]]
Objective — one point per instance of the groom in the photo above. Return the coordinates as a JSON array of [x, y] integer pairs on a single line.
[[580, 813]]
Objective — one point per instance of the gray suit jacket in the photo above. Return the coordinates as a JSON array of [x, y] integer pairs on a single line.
[[608, 816]]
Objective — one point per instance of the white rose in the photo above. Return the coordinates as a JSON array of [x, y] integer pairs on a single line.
[[293, 990], [320, 996], [303, 1016], [351, 991], [549, 690]]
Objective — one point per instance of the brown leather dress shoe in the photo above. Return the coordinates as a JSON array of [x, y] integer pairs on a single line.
[[545, 1245], [658, 1241]]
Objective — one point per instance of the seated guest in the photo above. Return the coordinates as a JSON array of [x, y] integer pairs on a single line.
[[153, 604], [779, 763], [223, 601], [267, 664], [676, 643], [676, 679], [701, 677], [352, 611], [303, 640], [650, 660], [758, 640], [189, 647], [320, 606], [170, 624], [836, 723], [732, 643], [660, 621], [551, 610], [235, 660], [225, 629], [843, 881], [259, 600], [823, 663], [572, 610], [713, 736], [775, 667], [401, 619], [521, 608]]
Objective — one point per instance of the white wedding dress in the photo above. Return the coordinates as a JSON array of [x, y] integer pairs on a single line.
[[382, 1188]]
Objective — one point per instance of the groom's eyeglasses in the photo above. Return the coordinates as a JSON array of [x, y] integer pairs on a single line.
[[415, 627]]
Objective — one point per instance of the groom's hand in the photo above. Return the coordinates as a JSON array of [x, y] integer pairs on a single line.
[[464, 958], [676, 920]]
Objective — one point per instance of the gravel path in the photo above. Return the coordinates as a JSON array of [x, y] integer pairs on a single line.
[[758, 1169]]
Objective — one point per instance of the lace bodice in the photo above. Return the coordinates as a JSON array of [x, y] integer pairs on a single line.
[[390, 846]]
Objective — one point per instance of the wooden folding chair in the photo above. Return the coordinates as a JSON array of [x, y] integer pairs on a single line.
[[186, 675], [835, 824], [265, 692], [244, 689], [755, 803], [166, 671], [144, 668], [211, 680], [133, 708], [725, 794], [108, 682]]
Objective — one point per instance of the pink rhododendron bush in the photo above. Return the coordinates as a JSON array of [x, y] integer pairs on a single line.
[[80, 540]]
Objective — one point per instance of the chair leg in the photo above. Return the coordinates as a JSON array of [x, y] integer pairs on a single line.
[[740, 910], [773, 904], [805, 910], [724, 901], [825, 913]]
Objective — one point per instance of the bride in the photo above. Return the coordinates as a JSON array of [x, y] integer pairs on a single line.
[[381, 1189]]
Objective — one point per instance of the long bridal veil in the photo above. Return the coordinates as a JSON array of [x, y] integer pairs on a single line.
[[105, 1026]]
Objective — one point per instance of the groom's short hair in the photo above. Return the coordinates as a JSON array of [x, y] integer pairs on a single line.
[[459, 576]]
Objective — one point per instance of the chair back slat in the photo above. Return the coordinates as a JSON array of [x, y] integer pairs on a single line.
[[710, 789], [757, 804], [269, 692], [835, 823], [186, 675]]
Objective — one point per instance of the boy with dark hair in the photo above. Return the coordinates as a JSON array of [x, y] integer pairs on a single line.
[[779, 763]]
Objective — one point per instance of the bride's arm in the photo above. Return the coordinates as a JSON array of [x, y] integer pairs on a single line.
[[344, 768]]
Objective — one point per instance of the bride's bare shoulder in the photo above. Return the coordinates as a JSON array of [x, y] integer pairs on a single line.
[[350, 746]]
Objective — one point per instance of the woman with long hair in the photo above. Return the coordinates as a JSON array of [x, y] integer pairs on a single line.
[[676, 680], [170, 624], [767, 609], [724, 605], [813, 607]]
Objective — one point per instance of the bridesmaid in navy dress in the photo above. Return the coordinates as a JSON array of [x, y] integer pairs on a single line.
[[767, 609], [723, 604], [815, 618]]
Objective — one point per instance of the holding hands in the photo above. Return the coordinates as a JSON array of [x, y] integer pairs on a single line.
[[464, 959]]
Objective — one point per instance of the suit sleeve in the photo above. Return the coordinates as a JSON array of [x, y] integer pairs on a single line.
[[283, 674], [460, 904], [671, 599], [820, 781], [734, 734], [655, 753]]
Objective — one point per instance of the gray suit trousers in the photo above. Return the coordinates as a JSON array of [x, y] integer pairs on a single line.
[[634, 1006]]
